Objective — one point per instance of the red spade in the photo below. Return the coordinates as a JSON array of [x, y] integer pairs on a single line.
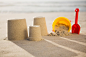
[[76, 27]]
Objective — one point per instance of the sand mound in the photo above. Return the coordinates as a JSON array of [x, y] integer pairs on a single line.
[[60, 30], [35, 33]]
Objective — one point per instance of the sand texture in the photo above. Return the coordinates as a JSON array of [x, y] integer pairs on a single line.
[[60, 30], [35, 33], [42, 22], [17, 29], [52, 46]]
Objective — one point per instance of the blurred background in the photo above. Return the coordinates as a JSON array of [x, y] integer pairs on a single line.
[[27, 6]]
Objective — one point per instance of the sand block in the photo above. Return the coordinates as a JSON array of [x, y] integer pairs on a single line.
[[17, 29], [35, 33], [41, 21]]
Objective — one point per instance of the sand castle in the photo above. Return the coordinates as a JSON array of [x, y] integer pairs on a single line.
[[38, 29], [41, 21], [17, 29], [35, 33]]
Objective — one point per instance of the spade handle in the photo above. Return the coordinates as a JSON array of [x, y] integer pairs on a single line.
[[76, 17]]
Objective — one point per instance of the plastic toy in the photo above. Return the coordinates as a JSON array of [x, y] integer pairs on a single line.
[[61, 20], [76, 27]]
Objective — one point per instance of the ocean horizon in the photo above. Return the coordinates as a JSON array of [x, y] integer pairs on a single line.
[[25, 6]]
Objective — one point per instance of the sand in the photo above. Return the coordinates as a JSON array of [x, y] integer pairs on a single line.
[[35, 33], [60, 30], [30, 48], [50, 17]]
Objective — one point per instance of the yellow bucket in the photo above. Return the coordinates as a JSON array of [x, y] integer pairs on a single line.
[[61, 20]]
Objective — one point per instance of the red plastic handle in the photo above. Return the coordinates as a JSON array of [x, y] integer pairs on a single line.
[[76, 17]]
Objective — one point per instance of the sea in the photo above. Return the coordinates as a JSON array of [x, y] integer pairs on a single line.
[[31, 6]]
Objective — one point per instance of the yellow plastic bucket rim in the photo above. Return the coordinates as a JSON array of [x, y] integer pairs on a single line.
[[53, 25]]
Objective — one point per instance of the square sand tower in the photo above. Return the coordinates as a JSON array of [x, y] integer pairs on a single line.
[[17, 29]]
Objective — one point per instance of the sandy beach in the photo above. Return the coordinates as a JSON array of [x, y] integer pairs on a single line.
[[25, 48]]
